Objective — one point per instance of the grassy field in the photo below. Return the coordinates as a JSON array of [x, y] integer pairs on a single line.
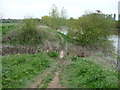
[[18, 69], [84, 73], [6, 27]]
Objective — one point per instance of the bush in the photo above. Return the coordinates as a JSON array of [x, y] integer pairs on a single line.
[[29, 28], [28, 34], [74, 58], [91, 29], [53, 54]]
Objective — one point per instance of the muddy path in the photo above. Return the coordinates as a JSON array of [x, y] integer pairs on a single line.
[[36, 82], [54, 82]]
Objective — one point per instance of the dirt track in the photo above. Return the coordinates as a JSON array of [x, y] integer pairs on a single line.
[[55, 81]]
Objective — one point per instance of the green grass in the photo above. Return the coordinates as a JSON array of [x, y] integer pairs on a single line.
[[7, 27], [18, 69], [9, 24], [53, 54], [84, 73]]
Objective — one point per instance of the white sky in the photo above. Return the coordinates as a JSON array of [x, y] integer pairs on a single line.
[[38, 8]]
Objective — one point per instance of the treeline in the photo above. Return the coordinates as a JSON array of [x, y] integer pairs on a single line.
[[15, 20], [11, 20]]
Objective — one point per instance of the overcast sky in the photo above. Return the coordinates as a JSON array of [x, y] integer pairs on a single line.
[[38, 8]]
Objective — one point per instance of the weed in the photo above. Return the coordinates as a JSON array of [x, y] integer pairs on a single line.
[[53, 54]]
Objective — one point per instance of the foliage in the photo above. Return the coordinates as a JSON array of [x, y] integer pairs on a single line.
[[74, 58], [84, 73], [56, 19], [63, 13], [50, 21], [118, 24], [66, 37], [17, 69], [91, 29], [27, 34], [30, 34], [54, 12], [62, 17], [53, 54], [46, 20], [29, 24]]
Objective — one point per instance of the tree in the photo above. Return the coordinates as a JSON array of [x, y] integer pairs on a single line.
[[54, 14], [91, 29], [46, 20], [63, 13], [57, 19], [62, 18]]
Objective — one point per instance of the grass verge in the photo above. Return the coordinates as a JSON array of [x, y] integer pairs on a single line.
[[84, 73], [18, 69]]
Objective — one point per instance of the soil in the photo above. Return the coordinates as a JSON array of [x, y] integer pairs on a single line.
[[34, 85], [10, 49], [40, 77], [55, 82]]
